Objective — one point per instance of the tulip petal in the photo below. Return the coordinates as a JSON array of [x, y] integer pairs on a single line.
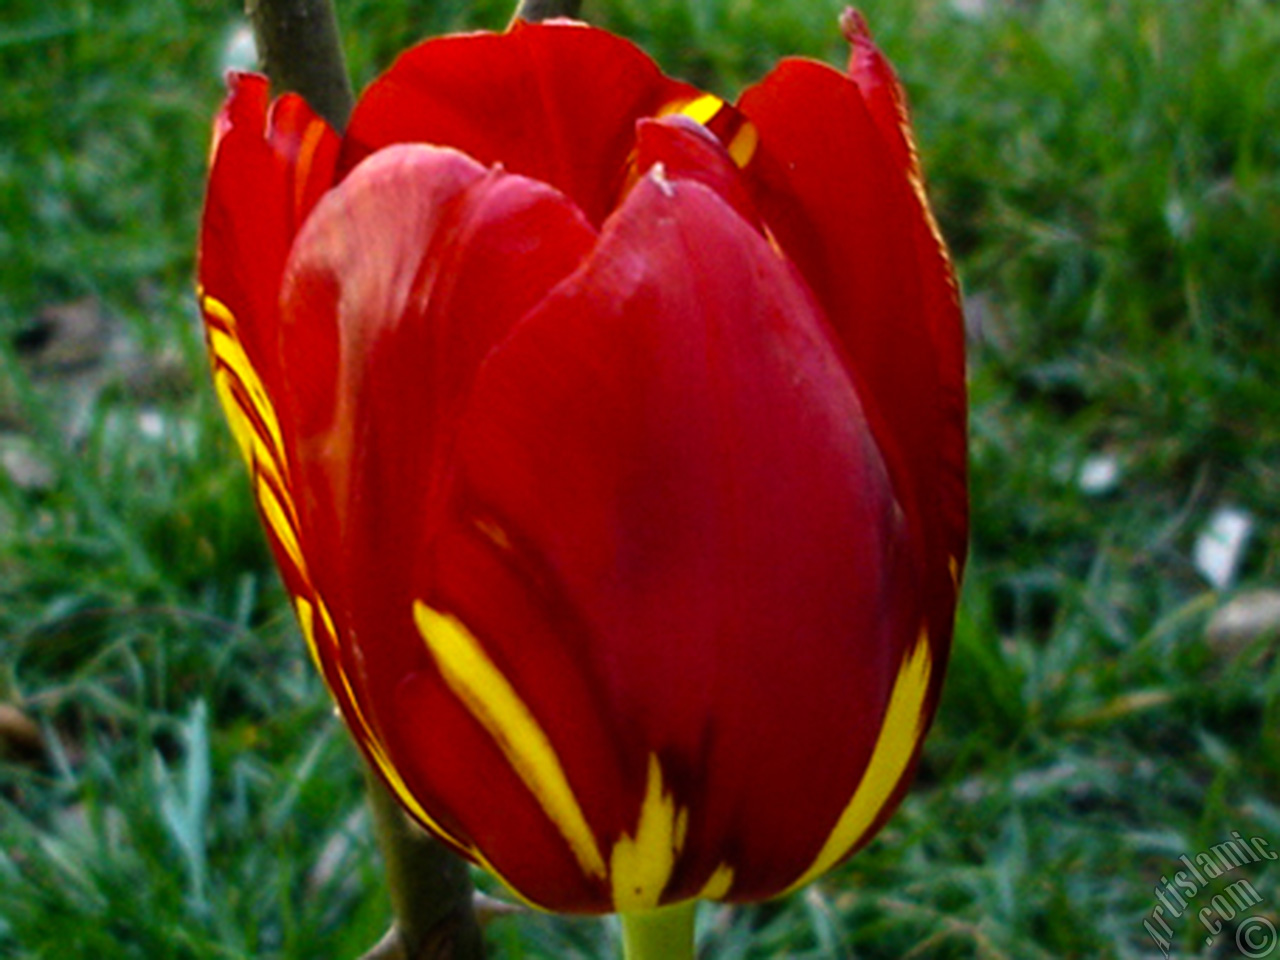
[[887, 103], [557, 102], [689, 151], [271, 162], [399, 285], [839, 187], [695, 521], [619, 487]]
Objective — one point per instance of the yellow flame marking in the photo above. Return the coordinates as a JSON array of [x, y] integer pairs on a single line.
[[264, 454], [401, 789], [700, 110], [281, 523], [214, 306], [361, 728], [898, 736], [307, 621], [327, 620], [256, 453], [226, 347], [703, 109], [491, 699], [719, 884], [640, 865], [743, 145]]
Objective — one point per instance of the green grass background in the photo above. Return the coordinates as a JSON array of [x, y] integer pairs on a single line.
[[1108, 173]]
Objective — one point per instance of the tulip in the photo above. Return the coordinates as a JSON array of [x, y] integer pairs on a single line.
[[610, 440]]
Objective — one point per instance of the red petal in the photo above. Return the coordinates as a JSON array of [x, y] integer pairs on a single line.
[[700, 527], [554, 101], [400, 284], [270, 164], [887, 103], [309, 148], [689, 151], [883, 94], [842, 202]]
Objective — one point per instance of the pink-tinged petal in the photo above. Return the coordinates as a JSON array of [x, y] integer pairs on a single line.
[[842, 202], [684, 508], [557, 102], [399, 285]]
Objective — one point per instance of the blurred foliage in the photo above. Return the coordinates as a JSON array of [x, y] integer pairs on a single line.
[[1108, 172]]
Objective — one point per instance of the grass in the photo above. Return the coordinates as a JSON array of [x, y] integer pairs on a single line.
[[1109, 174]]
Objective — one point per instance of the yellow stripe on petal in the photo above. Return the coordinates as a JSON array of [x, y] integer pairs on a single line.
[[700, 110], [718, 885], [401, 790], [360, 726], [494, 703], [899, 734], [226, 348], [257, 432], [378, 753], [738, 135], [307, 621], [280, 519], [256, 453], [743, 145], [640, 865], [215, 308]]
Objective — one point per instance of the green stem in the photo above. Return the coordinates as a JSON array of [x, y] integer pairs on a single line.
[[301, 51], [430, 886], [534, 10], [662, 934]]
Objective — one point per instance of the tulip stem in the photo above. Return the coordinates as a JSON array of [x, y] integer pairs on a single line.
[[662, 934], [300, 50], [430, 886], [535, 10]]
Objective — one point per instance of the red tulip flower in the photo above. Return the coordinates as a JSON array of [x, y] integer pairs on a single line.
[[610, 440]]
